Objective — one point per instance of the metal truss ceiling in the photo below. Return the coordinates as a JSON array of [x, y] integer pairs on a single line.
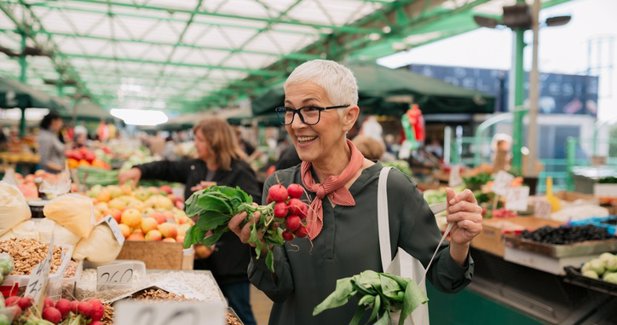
[[190, 55]]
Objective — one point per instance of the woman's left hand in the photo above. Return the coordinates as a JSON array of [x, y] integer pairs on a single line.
[[202, 185], [465, 215]]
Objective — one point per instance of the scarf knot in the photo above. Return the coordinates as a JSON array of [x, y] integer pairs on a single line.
[[333, 187]]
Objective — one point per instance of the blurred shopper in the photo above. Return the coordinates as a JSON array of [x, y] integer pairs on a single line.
[[370, 148], [220, 161], [51, 149], [320, 108], [80, 137]]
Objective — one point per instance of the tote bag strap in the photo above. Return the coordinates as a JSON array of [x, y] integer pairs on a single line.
[[383, 222]]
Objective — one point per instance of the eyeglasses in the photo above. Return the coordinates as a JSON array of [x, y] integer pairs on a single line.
[[309, 115]]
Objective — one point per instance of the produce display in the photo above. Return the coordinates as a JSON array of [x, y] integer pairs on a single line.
[[86, 157], [282, 219], [566, 235], [62, 311], [142, 213], [379, 293], [603, 267], [28, 253]]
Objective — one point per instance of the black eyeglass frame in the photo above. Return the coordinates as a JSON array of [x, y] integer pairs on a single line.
[[280, 112]]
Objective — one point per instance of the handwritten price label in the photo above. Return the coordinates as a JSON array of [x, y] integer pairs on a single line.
[[115, 275], [169, 313], [39, 278], [502, 183], [179, 288], [516, 198], [542, 209], [115, 229]]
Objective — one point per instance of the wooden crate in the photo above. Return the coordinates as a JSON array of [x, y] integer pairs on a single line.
[[491, 239], [158, 255]]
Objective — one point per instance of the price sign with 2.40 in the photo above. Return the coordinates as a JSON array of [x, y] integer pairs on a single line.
[[114, 275]]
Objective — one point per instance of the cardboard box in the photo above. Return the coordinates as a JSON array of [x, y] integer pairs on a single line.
[[491, 239], [158, 255]]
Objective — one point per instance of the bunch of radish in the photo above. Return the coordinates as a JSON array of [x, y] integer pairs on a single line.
[[280, 220], [290, 208], [62, 311]]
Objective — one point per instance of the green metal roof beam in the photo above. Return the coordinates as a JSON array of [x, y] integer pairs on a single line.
[[295, 56], [256, 72], [58, 60], [63, 6], [295, 22]]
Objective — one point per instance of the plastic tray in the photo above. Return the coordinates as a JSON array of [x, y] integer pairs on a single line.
[[574, 276]]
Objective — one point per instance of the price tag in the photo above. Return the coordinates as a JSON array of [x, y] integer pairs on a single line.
[[502, 182], [113, 275], [115, 229], [542, 209], [179, 288], [516, 198], [455, 176], [169, 313], [37, 284]]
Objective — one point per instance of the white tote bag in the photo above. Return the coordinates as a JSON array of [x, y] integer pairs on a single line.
[[403, 264]]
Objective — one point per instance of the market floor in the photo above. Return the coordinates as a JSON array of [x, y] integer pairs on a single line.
[[261, 306]]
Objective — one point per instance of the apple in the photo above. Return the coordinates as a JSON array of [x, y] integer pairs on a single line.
[[148, 224], [169, 240], [168, 230], [131, 217], [116, 214], [182, 229], [126, 230], [180, 239], [166, 189], [153, 235], [137, 235], [159, 217]]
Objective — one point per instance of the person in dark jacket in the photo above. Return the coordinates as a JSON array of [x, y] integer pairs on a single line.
[[220, 161]]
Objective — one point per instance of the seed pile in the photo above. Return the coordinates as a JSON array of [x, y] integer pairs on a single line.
[[28, 253]]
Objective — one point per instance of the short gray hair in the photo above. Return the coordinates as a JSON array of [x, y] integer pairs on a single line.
[[336, 79]]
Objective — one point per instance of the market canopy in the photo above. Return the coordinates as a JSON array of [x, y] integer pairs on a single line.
[[377, 86], [186, 56], [14, 94]]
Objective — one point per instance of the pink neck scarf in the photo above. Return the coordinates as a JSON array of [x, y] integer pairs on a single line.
[[333, 187]]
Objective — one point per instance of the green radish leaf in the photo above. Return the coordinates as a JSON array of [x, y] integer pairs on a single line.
[[212, 220], [193, 236], [254, 239], [366, 300], [400, 280], [414, 297], [270, 261], [214, 202], [340, 296], [212, 239], [376, 307], [384, 320], [389, 287]]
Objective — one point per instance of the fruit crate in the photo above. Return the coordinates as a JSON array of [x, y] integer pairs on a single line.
[[574, 276], [158, 255]]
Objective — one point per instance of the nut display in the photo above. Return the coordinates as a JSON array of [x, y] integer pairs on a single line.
[[28, 253]]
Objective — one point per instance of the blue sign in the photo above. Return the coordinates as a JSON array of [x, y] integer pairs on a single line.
[[559, 93]]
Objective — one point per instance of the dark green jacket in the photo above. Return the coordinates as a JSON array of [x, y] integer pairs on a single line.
[[349, 244]]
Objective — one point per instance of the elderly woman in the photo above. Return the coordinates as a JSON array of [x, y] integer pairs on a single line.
[[320, 107], [220, 161]]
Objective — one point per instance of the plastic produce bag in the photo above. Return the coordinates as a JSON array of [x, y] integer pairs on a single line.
[[56, 186], [100, 248], [13, 207], [72, 211]]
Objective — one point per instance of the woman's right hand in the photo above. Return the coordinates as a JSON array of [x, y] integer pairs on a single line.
[[133, 174], [241, 228]]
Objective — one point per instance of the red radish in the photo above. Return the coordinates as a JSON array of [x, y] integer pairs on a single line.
[[84, 308], [52, 314], [24, 302], [64, 306], [269, 199], [301, 232], [278, 193], [48, 302], [296, 206], [293, 222], [280, 210], [295, 191], [97, 309], [288, 235], [96, 322], [303, 211], [11, 301], [17, 311], [74, 306]]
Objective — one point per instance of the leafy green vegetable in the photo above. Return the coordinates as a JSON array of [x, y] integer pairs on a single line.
[[380, 294], [216, 205]]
